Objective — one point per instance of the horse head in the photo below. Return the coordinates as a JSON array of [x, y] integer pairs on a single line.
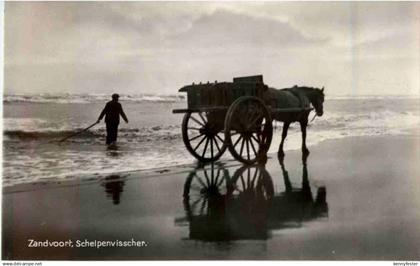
[[317, 100]]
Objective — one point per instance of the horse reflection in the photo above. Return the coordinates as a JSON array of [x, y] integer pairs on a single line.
[[296, 205], [114, 185], [223, 208]]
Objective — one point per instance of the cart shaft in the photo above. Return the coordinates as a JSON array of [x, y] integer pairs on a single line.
[[196, 110]]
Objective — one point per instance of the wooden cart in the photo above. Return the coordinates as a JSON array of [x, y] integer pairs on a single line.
[[229, 115]]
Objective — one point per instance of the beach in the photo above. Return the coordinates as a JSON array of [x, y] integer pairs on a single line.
[[355, 198]]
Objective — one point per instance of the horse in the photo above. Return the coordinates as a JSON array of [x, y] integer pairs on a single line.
[[295, 97]]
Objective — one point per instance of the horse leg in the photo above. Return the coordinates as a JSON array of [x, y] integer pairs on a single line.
[[283, 137], [287, 182], [303, 125]]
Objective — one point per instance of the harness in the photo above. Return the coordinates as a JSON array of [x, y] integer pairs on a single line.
[[303, 100]]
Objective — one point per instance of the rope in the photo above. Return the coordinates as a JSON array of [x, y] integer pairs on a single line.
[[77, 133]]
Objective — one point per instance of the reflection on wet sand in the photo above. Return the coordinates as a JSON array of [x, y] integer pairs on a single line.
[[296, 205], [245, 206], [114, 185]]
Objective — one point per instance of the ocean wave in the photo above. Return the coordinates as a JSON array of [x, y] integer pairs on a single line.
[[370, 119], [37, 135], [125, 134], [365, 123], [372, 97], [89, 98]]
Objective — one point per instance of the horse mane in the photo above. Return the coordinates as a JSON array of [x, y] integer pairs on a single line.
[[308, 91], [305, 94], [303, 88]]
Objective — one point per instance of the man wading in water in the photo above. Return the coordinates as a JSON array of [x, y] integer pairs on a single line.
[[112, 112]]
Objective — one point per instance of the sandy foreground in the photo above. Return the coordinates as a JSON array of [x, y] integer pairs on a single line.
[[354, 199]]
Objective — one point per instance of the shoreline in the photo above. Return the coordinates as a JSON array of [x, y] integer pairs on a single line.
[[171, 169]]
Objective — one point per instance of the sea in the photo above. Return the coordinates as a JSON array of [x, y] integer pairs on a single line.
[[33, 124]]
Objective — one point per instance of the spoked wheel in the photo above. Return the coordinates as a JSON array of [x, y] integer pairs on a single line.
[[248, 129], [205, 189], [252, 182], [203, 137], [251, 192]]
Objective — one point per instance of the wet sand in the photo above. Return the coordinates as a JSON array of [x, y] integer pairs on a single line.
[[354, 199]]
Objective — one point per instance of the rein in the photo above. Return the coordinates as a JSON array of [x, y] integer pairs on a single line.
[[313, 118]]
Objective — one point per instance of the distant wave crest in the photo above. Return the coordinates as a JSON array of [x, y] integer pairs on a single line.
[[89, 98]]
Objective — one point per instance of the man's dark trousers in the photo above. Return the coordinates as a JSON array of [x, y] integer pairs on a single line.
[[111, 132]]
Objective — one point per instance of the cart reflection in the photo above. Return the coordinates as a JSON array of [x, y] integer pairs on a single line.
[[220, 207]]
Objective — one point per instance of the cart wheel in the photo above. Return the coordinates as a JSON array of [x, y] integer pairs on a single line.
[[204, 140], [204, 189], [248, 129], [251, 182]]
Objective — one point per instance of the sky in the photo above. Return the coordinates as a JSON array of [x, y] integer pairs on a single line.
[[351, 48]]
